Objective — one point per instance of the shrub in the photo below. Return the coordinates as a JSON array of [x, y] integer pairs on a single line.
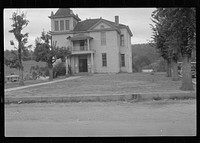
[[59, 69]]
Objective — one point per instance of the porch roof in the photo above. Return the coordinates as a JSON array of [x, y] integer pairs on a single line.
[[80, 37]]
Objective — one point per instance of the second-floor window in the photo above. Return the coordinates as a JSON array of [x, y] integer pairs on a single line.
[[67, 24], [61, 25], [104, 60], [121, 40], [103, 38], [56, 25]]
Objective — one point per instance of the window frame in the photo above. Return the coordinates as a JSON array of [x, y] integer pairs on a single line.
[[67, 27], [104, 60], [123, 60], [122, 40], [56, 25], [103, 38], [63, 28]]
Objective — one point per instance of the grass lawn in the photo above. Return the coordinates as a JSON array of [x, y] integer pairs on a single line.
[[122, 83]]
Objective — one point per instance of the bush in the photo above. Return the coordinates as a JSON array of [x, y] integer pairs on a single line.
[[59, 69]]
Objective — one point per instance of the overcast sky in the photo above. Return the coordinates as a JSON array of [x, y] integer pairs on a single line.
[[138, 20]]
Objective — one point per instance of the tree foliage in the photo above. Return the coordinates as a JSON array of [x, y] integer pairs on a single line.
[[19, 23], [47, 51], [175, 32]]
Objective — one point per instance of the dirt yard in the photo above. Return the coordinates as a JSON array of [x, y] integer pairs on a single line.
[[152, 118]]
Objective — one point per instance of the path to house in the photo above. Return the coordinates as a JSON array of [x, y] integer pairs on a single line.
[[150, 118], [103, 87], [39, 84]]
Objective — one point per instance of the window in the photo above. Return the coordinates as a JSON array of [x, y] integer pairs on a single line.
[[103, 38], [104, 60], [56, 25], [67, 24], [102, 26], [61, 25], [122, 60], [121, 40]]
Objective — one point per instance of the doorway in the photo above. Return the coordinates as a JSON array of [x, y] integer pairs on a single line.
[[83, 64]]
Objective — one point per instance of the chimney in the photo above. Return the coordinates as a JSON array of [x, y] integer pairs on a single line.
[[117, 20]]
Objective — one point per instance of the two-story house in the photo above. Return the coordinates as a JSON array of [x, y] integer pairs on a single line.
[[97, 45]]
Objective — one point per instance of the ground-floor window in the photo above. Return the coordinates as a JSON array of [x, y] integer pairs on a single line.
[[122, 60], [104, 60]]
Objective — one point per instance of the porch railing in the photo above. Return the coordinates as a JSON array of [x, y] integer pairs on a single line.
[[81, 48]]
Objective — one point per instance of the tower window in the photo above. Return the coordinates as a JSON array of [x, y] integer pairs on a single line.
[[61, 25], [56, 25], [67, 24]]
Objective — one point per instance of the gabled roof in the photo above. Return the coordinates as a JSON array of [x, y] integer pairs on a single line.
[[64, 12], [86, 24], [89, 23]]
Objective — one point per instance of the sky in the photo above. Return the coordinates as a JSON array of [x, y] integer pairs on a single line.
[[138, 20]]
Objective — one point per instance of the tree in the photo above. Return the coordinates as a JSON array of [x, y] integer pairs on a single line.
[[166, 42], [184, 26], [11, 59], [179, 26], [47, 51], [19, 23]]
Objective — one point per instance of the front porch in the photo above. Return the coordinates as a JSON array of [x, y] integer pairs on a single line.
[[80, 63], [82, 56]]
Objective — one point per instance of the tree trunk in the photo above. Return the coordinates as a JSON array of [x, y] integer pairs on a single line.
[[175, 71], [187, 75], [169, 72], [50, 66], [21, 80]]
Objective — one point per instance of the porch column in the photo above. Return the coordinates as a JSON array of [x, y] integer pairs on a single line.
[[66, 63], [88, 44], [92, 63]]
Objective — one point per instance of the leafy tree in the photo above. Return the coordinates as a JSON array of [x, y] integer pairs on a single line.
[[177, 27], [19, 23], [47, 51], [11, 59], [184, 26], [160, 34]]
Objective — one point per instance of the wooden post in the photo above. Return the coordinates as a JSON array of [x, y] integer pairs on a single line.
[[88, 45], [92, 63]]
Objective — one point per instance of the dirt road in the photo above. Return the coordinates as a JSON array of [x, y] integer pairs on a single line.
[[152, 118]]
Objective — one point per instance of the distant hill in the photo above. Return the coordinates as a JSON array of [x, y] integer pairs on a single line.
[[27, 65], [145, 50]]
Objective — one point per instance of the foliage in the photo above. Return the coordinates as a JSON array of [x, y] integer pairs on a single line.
[[143, 55], [19, 23], [47, 51], [139, 62], [11, 59], [59, 69]]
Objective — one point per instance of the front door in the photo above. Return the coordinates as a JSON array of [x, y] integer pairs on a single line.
[[83, 65]]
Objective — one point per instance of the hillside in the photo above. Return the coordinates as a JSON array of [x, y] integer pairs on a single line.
[[145, 50], [27, 65]]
